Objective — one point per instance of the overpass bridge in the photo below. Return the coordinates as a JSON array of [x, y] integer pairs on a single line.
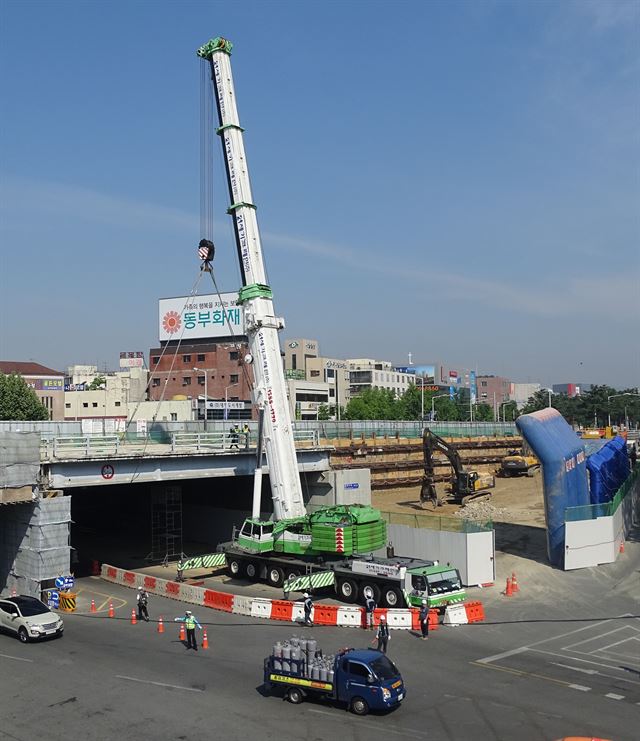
[[72, 461]]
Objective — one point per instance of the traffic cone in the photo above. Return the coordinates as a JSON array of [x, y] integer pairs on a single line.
[[160, 625], [622, 546], [134, 621], [509, 588], [514, 583], [183, 635], [205, 640], [112, 612], [93, 606]]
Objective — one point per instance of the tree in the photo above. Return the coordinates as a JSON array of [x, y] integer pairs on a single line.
[[99, 382], [324, 412], [483, 413], [374, 403], [19, 401]]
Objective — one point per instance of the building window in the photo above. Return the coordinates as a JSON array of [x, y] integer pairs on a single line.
[[314, 373], [85, 404], [186, 380], [186, 358], [483, 384], [155, 360], [201, 380], [67, 406], [117, 403], [94, 404], [294, 362], [174, 416], [233, 378], [155, 382], [201, 358], [234, 355]]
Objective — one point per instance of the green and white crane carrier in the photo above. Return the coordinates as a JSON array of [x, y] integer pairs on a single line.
[[295, 549]]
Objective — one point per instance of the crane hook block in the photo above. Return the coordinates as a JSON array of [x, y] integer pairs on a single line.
[[206, 250], [217, 44]]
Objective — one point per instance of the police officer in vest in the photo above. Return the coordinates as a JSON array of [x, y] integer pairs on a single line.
[[190, 621]]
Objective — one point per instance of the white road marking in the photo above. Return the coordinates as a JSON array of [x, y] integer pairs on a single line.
[[159, 684], [16, 658], [576, 668], [580, 687], [407, 732], [613, 696], [513, 652], [595, 638], [617, 643]]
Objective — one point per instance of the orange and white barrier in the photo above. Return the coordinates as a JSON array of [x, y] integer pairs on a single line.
[[284, 610]]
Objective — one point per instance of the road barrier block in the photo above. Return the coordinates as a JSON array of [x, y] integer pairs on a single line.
[[455, 615], [350, 616], [297, 612], [109, 572], [241, 605], [281, 610], [261, 608], [399, 619], [377, 614], [475, 612], [149, 583], [415, 618], [172, 589], [434, 619], [129, 577], [325, 614], [217, 600]]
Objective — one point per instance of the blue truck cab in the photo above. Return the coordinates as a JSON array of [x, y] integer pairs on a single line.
[[361, 679]]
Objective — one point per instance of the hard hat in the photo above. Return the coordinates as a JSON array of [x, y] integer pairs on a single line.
[[187, 612], [306, 594], [382, 617]]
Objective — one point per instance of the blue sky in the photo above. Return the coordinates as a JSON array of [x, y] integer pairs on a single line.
[[458, 180]]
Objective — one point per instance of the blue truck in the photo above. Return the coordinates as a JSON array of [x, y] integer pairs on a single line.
[[360, 679]]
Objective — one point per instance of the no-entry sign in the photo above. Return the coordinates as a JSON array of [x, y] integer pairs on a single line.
[[107, 471]]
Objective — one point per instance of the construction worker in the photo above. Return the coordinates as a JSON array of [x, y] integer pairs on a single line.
[[234, 434], [308, 604], [142, 599], [370, 606], [383, 634], [247, 435], [424, 619], [190, 621]]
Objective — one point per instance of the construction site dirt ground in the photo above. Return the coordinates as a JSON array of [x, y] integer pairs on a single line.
[[516, 500]]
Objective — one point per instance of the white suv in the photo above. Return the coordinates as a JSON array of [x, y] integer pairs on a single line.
[[29, 618]]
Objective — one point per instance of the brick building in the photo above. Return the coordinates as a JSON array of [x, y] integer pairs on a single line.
[[214, 368]]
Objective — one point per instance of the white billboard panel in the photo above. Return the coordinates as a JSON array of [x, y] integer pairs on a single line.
[[200, 317]]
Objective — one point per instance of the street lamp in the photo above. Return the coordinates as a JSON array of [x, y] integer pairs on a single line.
[[203, 370], [550, 392], [226, 402], [508, 401], [433, 399], [613, 396]]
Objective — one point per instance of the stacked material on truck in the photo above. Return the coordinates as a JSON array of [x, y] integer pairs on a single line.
[[348, 529], [301, 658]]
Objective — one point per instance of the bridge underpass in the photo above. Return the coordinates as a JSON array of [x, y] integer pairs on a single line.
[[134, 508]]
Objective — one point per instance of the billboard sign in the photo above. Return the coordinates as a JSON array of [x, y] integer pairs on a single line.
[[200, 317], [472, 386], [131, 359], [426, 372]]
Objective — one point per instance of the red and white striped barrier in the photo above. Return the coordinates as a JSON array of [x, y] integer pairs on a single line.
[[284, 610]]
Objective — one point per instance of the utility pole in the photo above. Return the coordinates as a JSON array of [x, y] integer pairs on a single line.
[[200, 370]]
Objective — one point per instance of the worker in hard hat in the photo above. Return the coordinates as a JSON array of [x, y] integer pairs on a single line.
[[424, 619], [308, 606], [190, 621], [383, 634], [142, 598]]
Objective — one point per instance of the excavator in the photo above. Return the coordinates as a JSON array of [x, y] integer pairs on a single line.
[[519, 463], [465, 485]]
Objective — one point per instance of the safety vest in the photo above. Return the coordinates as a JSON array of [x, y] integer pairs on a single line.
[[190, 623]]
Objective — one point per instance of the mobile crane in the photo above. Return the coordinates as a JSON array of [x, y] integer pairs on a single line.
[[465, 485], [294, 549]]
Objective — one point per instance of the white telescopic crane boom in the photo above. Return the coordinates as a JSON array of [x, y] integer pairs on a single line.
[[262, 325]]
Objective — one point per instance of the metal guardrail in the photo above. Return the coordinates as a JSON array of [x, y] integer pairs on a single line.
[[74, 446]]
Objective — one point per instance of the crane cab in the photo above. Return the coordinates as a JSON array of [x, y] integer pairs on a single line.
[[255, 535]]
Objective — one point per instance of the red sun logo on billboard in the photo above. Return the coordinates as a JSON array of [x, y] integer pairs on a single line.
[[171, 322]]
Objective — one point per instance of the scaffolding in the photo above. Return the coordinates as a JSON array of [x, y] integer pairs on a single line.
[[166, 525]]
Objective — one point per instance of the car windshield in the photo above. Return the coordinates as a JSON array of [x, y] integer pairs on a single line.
[[30, 606], [384, 668], [446, 580]]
